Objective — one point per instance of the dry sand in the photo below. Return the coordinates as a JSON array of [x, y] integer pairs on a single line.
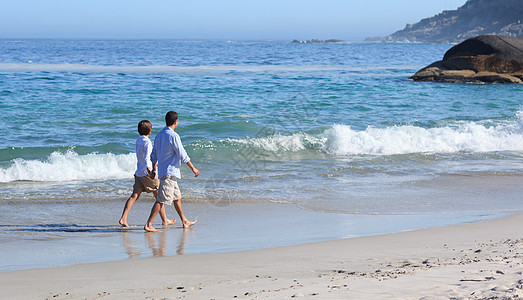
[[471, 261]]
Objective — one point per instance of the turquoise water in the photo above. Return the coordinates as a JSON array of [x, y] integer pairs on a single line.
[[326, 127]]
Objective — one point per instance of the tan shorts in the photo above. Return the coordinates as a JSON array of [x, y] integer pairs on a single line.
[[146, 184], [168, 191]]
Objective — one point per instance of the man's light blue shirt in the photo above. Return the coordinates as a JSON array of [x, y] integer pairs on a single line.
[[168, 151]]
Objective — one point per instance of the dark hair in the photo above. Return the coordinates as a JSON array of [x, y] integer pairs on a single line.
[[171, 117], [145, 127]]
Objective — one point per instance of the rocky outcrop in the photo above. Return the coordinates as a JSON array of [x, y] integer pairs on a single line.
[[476, 17], [482, 59]]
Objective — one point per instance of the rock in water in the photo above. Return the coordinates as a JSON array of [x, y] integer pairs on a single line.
[[481, 59]]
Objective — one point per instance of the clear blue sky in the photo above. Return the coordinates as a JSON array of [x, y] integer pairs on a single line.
[[351, 20]]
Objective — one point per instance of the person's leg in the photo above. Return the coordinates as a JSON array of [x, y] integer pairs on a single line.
[[154, 211], [179, 210], [165, 221], [123, 220]]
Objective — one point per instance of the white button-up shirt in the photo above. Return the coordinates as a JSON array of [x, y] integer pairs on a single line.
[[144, 147], [168, 151]]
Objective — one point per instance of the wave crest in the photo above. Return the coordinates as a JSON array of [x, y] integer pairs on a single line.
[[337, 140], [468, 137], [70, 166], [407, 139]]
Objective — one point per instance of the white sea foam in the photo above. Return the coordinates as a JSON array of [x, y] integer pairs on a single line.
[[71, 166], [284, 143], [343, 140], [467, 137]]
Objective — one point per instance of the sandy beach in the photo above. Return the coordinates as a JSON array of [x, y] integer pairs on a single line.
[[472, 261]]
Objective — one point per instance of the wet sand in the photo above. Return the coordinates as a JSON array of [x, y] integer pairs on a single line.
[[69, 238], [471, 261]]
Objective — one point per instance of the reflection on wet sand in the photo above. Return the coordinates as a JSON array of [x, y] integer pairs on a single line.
[[151, 242], [183, 237], [156, 241], [126, 243]]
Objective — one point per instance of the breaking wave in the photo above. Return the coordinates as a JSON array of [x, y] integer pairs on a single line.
[[394, 140], [334, 141], [70, 166], [467, 137]]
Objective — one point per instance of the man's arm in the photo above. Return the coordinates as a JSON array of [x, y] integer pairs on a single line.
[[154, 156], [178, 148], [193, 169]]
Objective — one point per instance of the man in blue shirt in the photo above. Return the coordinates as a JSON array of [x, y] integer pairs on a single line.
[[143, 182], [169, 153]]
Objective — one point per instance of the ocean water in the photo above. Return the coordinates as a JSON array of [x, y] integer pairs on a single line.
[[326, 128]]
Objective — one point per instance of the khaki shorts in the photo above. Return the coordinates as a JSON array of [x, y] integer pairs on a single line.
[[146, 184], [168, 191]]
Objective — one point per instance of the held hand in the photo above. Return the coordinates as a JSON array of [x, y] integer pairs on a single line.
[[152, 174]]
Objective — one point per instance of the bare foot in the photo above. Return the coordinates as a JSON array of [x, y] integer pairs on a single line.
[[123, 223], [169, 222], [150, 229], [187, 223]]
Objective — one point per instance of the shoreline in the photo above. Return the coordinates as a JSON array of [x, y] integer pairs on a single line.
[[475, 260], [93, 237]]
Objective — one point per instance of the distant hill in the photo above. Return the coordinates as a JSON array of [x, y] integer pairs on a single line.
[[476, 17]]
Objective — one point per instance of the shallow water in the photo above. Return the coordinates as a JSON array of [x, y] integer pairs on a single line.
[[74, 238]]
